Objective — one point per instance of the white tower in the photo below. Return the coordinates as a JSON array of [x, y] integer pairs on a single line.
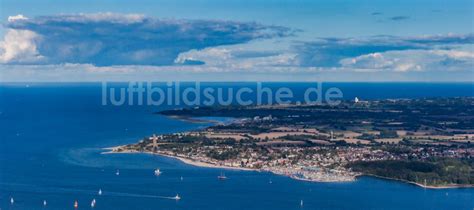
[[154, 139]]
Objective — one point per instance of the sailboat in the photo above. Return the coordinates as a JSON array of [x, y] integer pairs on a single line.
[[100, 192], [222, 176], [93, 203], [301, 203], [44, 203], [157, 172], [117, 173], [76, 204], [12, 201]]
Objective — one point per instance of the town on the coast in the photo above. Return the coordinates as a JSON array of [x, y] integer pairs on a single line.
[[428, 142]]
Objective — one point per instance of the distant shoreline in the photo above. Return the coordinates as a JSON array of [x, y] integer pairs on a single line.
[[190, 119], [196, 120]]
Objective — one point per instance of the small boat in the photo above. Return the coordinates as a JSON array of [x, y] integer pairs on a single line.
[[100, 192], [157, 172], [222, 176], [93, 203], [177, 197], [44, 203], [117, 173], [269, 182], [12, 201], [301, 203], [76, 204], [181, 178]]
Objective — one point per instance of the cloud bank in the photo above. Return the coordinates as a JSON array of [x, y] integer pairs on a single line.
[[106, 39], [388, 52], [237, 58], [133, 46], [413, 60]]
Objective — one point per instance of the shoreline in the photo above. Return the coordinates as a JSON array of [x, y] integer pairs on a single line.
[[197, 163], [440, 187], [182, 159], [188, 119], [195, 120], [203, 163]]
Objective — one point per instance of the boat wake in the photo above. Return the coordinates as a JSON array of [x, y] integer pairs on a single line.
[[60, 190]]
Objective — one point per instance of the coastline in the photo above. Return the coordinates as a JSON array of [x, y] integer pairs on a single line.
[[112, 150], [202, 164], [182, 159], [440, 187], [199, 163], [191, 119], [210, 165]]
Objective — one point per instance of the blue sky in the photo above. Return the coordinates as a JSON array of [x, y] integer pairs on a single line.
[[299, 40]]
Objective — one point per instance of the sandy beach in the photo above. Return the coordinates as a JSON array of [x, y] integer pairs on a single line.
[[111, 150]]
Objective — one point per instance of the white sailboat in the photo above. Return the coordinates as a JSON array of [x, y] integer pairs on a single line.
[[100, 192], [117, 172], [222, 176], [12, 201], [44, 203], [157, 172], [93, 203]]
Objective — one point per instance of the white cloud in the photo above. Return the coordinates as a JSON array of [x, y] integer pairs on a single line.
[[128, 46], [107, 39], [238, 58], [413, 60], [327, 52], [19, 46], [211, 56], [16, 17], [454, 54], [102, 17], [89, 72]]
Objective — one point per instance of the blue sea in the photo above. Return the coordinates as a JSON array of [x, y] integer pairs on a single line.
[[52, 135]]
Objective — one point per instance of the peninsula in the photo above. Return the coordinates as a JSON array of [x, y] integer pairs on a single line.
[[427, 142]]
